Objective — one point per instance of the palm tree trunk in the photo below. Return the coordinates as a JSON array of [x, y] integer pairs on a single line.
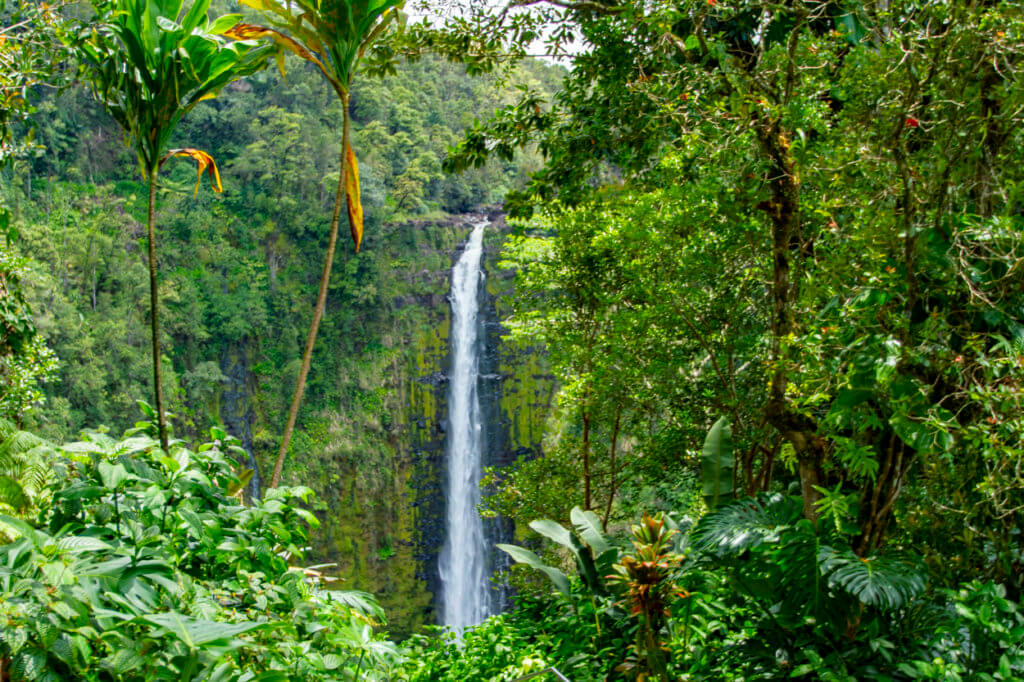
[[321, 301], [154, 315]]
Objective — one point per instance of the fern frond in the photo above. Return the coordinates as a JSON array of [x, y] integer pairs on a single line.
[[12, 494], [7, 427], [17, 444], [885, 582], [746, 523]]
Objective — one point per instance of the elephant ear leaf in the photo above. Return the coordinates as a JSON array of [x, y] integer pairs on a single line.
[[524, 556], [716, 465]]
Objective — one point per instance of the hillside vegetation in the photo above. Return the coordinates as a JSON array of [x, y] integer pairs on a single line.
[[763, 307]]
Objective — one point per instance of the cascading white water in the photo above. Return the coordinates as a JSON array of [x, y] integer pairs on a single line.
[[465, 589]]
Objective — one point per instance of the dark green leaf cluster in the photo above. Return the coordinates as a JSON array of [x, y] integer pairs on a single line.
[[147, 565]]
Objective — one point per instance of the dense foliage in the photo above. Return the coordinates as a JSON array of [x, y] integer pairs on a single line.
[[773, 250], [145, 565], [807, 220], [751, 591]]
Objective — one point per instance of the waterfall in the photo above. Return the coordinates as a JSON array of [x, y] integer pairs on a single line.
[[463, 565]]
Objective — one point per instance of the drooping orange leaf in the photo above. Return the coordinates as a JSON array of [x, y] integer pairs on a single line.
[[204, 162], [251, 32], [355, 205]]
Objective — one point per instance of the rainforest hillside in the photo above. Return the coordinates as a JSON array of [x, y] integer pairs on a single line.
[[238, 277], [746, 329]]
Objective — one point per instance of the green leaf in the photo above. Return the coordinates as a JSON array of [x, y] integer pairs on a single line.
[[876, 581], [112, 475], [588, 525], [522, 555], [12, 494], [554, 531], [716, 464], [78, 544], [746, 523], [195, 633]]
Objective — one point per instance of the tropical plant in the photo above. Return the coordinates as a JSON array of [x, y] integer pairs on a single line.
[[147, 566], [27, 470], [151, 62], [25, 359], [717, 465], [645, 581], [592, 551], [333, 35]]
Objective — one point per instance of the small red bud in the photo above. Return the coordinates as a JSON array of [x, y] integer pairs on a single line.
[[912, 122]]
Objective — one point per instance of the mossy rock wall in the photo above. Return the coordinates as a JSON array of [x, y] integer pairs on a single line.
[[376, 462]]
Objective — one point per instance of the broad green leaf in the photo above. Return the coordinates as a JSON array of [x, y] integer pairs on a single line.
[[716, 464], [195, 633], [77, 544], [12, 494], [112, 475], [588, 525], [524, 556], [554, 531]]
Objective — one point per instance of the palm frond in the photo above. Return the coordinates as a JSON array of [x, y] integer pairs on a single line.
[[17, 444]]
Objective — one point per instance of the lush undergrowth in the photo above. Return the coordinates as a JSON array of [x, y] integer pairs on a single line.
[[123, 562], [750, 592], [131, 564]]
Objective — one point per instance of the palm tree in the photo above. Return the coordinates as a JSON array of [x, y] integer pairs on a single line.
[[332, 34], [150, 62]]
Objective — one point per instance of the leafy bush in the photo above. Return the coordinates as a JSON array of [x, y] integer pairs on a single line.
[[755, 591], [574, 635], [148, 566]]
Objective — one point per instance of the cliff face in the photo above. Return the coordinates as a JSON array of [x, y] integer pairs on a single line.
[[377, 461]]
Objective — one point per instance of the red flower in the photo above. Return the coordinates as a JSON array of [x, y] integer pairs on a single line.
[[912, 122]]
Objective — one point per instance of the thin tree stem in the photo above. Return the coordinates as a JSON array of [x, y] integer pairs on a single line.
[[321, 301], [611, 485], [154, 315]]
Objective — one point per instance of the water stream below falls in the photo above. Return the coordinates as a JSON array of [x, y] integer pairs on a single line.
[[463, 567]]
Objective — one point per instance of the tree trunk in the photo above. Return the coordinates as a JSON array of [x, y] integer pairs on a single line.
[[154, 315], [784, 213], [611, 463], [586, 456], [321, 301]]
